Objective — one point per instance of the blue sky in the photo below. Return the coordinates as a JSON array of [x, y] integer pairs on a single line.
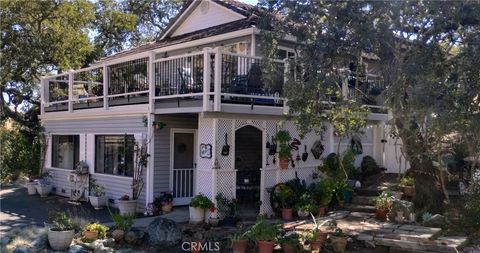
[[252, 2]]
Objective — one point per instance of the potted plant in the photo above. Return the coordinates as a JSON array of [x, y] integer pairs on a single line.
[[322, 192], [291, 243], [166, 202], [97, 197], [31, 185], [227, 208], [408, 184], [239, 241], [265, 235], [285, 196], [316, 237], [126, 204], [338, 239], [94, 231], [306, 205], [213, 219], [284, 150], [44, 185], [60, 235], [197, 207], [383, 203], [122, 225], [342, 191]]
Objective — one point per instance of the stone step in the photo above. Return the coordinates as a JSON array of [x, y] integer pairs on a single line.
[[360, 208], [367, 192], [442, 244], [363, 200]]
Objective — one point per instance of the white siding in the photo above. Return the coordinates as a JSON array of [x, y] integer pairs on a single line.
[[197, 20]]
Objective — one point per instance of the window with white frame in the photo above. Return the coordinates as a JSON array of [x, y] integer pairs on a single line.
[[114, 154], [65, 151]]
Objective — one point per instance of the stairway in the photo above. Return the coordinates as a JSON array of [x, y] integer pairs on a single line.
[[362, 201]]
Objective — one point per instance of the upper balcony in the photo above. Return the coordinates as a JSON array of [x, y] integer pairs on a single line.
[[209, 80]]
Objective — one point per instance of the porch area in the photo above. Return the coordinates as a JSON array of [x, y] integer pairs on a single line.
[[207, 80]]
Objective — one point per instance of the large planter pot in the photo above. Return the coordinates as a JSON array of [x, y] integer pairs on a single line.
[[341, 204], [60, 240], [381, 214], [409, 191], [284, 164], [98, 202], [288, 248], [339, 243], [316, 245], [321, 237], [31, 188], [322, 211], [265, 246], [197, 215], [286, 213], [44, 190], [347, 197], [239, 246], [127, 207], [92, 235], [167, 208]]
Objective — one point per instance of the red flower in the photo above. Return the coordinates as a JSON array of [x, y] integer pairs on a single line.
[[212, 209]]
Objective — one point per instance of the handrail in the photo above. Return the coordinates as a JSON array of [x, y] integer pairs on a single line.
[[177, 57], [128, 94], [252, 96], [178, 96]]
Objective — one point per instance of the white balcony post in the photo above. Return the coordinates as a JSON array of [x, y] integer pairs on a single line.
[[207, 71], [151, 82], [42, 96], [70, 90], [150, 128], [105, 87], [217, 79], [345, 88]]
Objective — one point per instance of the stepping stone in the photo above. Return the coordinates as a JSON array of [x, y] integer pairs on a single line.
[[363, 200], [367, 192], [360, 208], [429, 246], [361, 215], [459, 241]]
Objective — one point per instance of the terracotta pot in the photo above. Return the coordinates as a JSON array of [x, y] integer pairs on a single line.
[[287, 248], [322, 211], [239, 246], [321, 237], [265, 246], [286, 213], [341, 204], [339, 243], [284, 163], [381, 214], [409, 191], [92, 235], [316, 245], [167, 208]]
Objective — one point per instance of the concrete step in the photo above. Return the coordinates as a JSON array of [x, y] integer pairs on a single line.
[[442, 244], [360, 208], [367, 192], [363, 200]]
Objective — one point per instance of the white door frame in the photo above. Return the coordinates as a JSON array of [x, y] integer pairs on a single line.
[[173, 131]]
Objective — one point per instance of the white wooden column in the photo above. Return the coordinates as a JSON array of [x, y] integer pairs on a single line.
[[43, 85], [218, 79], [207, 71], [70, 90], [105, 87], [151, 130]]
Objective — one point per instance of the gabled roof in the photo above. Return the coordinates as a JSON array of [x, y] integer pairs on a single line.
[[249, 12]]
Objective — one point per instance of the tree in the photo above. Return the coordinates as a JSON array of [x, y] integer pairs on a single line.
[[426, 52]]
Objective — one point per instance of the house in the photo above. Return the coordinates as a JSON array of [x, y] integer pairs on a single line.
[[197, 99]]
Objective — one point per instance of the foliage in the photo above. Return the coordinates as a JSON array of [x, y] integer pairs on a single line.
[[426, 216], [165, 198], [298, 186], [122, 222], [141, 162], [384, 201], [201, 201], [62, 222], [124, 197], [102, 229], [335, 169], [285, 195], [339, 188], [369, 166], [472, 209], [19, 154], [262, 231], [407, 181], [306, 203], [240, 234], [284, 150], [96, 190], [293, 240], [322, 192], [226, 206]]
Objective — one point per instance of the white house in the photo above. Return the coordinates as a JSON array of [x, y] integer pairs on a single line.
[[187, 95]]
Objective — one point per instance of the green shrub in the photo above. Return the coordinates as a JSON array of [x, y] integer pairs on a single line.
[[285, 195], [407, 181], [262, 231], [284, 150], [122, 222], [369, 166], [62, 222], [322, 192], [201, 201], [102, 229], [471, 216]]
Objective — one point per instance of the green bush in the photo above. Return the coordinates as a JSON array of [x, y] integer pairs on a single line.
[[262, 231], [122, 222], [201, 201], [102, 229], [322, 192], [471, 215], [62, 222], [332, 168], [407, 181], [369, 166], [20, 154]]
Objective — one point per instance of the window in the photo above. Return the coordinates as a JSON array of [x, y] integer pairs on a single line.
[[114, 154], [65, 151], [285, 53]]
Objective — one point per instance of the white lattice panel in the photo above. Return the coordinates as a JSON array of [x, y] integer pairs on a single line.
[[225, 126], [206, 135], [269, 177], [204, 182], [270, 132]]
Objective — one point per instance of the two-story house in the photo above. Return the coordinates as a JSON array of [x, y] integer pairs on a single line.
[[197, 99]]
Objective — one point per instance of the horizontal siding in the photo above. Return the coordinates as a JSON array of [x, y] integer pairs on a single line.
[[131, 124], [162, 149], [60, 181]]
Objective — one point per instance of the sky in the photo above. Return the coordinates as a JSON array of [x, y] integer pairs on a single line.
[[252, 2]]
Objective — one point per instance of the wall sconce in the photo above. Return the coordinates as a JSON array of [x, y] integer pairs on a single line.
[[158, 125]]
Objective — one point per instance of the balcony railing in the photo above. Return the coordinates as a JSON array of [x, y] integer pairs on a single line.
[[211, 76]]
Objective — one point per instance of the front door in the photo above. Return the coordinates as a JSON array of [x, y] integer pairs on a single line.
[[183, 165]]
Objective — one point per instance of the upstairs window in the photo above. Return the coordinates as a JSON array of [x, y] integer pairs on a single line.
[[114, 154], [65, 151]]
